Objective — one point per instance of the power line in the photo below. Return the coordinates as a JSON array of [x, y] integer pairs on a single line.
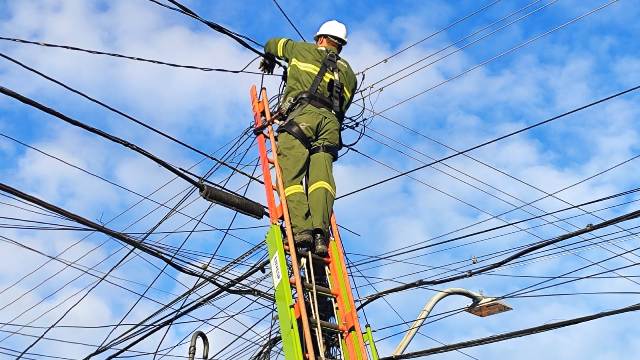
[[372, 85], [517, 293], [114, 110], [215, 252], [202, 301], [528, 203], [123, 337], [128, 57], [119, 236], [111, 220], [490, 194], [540, 245], [289, 20], [182, 244], [494, 140], [506, 52], [216, 27], [100, 133], [114, 253], [143, 197], [456, 22]]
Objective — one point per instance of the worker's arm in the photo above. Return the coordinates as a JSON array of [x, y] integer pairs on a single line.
[[281, 48]]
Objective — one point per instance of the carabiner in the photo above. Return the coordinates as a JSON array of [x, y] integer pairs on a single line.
[[205, 343]]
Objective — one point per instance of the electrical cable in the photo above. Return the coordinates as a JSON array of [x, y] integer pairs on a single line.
[[194, 306], [134, 58], [215, 252], [479, 232], [470, 273], [475, 147], [457, 50], [100, 133], [456, 22], [119, 236], [216, 27], [108, 107], [494, 216], [174, 301], [506, 52], [289, 20]]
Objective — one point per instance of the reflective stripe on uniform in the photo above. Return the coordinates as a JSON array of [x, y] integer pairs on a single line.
[[322, 184], [311, 68], [280, 46], [293, 189], [347, 94]]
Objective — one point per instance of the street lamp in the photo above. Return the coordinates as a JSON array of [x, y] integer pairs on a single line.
[[482, 306]]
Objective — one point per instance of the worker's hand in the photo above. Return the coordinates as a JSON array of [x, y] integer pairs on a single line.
[[268, 64]]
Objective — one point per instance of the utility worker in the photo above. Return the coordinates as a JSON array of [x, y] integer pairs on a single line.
[[319, 89]]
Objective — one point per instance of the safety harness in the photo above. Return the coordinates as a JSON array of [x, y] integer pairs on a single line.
[[315, 98]]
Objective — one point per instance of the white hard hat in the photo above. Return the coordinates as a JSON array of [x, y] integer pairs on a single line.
[[333, 28]]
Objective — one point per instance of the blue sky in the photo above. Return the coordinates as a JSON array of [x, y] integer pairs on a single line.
[[584, 61]]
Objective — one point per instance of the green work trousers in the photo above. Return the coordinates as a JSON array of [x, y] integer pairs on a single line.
[[309, 208]]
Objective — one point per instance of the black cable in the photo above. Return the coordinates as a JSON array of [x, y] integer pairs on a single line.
[[492, 215], [98, 132], [135, 58], [506, 52], [528, 203], [215, 252], [114, 110], [525, 259], [124, 336], [216, 27], [494, 140], [193, 307], [119, 236], [289, 20], [479, 232], [456, 22], [461, 48], [540, 245], [143, 197], [136, 255], [86, 271], [517, 293], [173, 254], [404, 321]]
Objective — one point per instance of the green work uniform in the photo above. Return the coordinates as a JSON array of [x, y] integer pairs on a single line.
[[310, 209]]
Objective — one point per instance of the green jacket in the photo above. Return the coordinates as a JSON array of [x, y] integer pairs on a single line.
[[304, 60]]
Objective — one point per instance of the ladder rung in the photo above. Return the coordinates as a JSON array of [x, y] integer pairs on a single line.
[[328, 326], [320, 289], [306, 255]]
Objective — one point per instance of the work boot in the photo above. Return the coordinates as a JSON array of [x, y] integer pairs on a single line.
[[303, 239], [320, 243]]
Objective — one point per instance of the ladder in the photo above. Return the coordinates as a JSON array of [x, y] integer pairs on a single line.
[[314, 300]]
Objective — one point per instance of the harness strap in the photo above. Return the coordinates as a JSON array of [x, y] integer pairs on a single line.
[[330, 62], [295, 130], [315, 98], [330, 149]]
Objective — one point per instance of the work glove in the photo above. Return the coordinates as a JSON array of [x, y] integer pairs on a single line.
[[268, 64]]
